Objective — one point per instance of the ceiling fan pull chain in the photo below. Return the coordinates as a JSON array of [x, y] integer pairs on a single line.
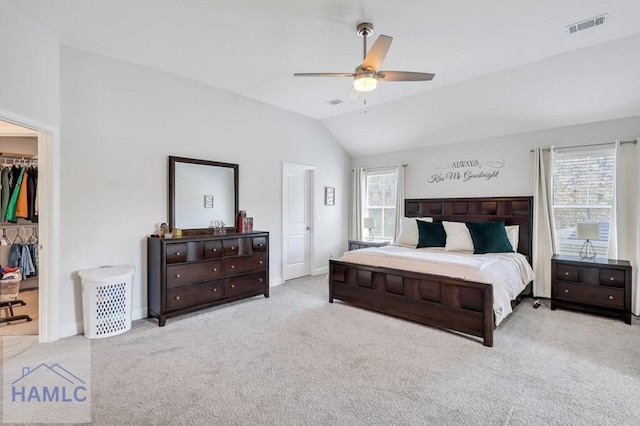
[[365, 106]]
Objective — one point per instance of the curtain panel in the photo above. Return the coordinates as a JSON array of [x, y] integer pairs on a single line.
[[624, 237], [544, 238], [358, 185]]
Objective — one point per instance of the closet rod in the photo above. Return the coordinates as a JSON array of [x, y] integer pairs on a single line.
[[634, 141], [16, 156]]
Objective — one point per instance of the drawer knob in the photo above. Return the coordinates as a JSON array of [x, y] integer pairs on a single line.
[[260, 245], [566, 273], [261, 262], [177, 253], [233, 266], [214, 250], [233, 248], [610, 297], [611, 278], [566, 290], [215, 269], [177, 297], [260, 279], [233, 286], [214, 290], [177, 275]]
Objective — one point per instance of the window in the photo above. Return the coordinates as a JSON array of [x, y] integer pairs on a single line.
[[583, 187], [380, 202]]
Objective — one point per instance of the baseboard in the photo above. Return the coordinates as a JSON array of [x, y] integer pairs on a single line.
[[320, 271], [139, 313], [71, 330], [273, 282]]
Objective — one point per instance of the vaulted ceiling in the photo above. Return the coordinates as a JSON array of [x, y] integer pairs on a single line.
[[502, 67]]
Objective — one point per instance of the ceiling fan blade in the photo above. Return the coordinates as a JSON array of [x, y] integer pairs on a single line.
[[353, 95], [323, 74], [377, 53], [404, 76]]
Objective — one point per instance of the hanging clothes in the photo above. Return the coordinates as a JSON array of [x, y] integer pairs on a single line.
[[6, 192], [15, 252], [26, 264], [21, 206], [13, 202], [33, 251], [32, 187]]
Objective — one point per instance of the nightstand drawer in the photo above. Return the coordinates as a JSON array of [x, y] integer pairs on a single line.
[[612, 277], [567, 272], [593, 295]]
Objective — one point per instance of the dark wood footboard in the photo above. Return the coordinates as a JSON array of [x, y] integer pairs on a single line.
[[443, 302]]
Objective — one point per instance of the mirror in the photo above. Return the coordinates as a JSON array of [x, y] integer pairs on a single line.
[[200, 192]]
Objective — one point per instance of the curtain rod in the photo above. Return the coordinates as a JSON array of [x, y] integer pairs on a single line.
[[379, 168], [634, 141]]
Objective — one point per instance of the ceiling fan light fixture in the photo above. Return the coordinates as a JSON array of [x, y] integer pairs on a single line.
[[365, 82]]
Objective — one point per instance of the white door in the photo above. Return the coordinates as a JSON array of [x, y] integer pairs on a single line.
[[297, 220]]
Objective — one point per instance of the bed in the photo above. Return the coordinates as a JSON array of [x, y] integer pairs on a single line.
[[449, 302]]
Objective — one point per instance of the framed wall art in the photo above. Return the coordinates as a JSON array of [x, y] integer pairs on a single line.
[[329, 196]]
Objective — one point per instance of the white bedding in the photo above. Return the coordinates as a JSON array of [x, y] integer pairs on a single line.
[[509, 273]]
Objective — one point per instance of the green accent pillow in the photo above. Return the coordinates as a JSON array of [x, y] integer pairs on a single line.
[[431, 234], [489, 237]]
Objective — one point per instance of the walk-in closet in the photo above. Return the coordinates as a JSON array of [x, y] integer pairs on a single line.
[[18, 230]]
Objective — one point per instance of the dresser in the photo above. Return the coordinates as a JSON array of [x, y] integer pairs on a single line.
[[600, 286], [358, 244], [190, 273]]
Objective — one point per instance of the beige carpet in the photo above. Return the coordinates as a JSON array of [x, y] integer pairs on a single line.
[[295, 359]]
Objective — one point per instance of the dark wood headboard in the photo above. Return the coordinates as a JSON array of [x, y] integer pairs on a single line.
[[513, 210]]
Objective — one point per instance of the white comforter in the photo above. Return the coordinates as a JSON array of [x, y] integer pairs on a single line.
[[509, 273]]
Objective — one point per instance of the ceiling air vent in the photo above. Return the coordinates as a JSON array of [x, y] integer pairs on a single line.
[[589, 23], [335, 101]]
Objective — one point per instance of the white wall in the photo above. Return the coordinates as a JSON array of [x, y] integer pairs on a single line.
[[119, 124], [30, 70], [514, 178]]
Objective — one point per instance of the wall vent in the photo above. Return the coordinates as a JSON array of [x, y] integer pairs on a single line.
[[335, 101], [589, 23]]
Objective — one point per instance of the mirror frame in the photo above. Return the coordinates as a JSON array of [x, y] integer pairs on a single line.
[[172, 191]]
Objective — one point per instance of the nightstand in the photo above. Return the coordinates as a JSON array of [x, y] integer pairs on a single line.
[[600, 286], [358, 244]]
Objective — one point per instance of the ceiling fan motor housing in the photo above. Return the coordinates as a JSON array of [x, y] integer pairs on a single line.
[[364, 29]]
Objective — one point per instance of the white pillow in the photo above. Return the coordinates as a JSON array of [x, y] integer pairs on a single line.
[[513, 233], [409, 231], [458, 237]]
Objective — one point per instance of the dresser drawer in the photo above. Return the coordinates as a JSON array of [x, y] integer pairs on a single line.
[[612, 277], [194, 293], [567, 272], [593, 295], [230, 247], [239, 265], [176, 253], [259, 244], [179, 275], [245, 284], [212, 249]]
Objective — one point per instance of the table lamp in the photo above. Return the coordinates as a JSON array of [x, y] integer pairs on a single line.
[[369, 223], [587, 232]]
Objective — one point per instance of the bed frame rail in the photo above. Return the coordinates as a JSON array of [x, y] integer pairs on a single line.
[[434, 300]]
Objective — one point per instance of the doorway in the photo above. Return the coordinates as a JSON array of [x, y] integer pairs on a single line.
[[297, 223], [37, 229]]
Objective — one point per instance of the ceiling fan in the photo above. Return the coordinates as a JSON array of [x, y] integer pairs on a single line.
[[367, 74]]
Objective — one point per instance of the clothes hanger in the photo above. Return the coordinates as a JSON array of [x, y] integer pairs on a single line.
[[33, 238], [15, 240], [4, 240]]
